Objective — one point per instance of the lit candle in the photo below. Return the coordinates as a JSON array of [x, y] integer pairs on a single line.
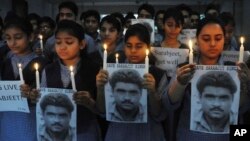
[[191, 56], [116, 58], [241, 55], [21, 73], [41, 42], [146, 61], [37, 77], [105, 54], [72, 76]]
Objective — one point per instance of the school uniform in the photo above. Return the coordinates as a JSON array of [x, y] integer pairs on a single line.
[[56, 75], [16, 126]]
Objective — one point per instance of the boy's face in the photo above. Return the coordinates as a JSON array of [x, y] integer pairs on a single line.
[[66, 14]]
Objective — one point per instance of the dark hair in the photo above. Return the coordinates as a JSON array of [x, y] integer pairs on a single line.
[[56, 99], [90, 13], [176, 14], [149, 8], [210, 7], [217, 79], [126, 76], [227, 18], [209, 20], [184, 7], [70, 5], [72, 28], [34, 16], [113, 21], [158, 13], [120, 17], [48, 20], [20, 23], [130, 15], [138, 30]]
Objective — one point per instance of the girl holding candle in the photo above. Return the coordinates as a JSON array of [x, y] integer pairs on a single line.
[[18, 35], [70, 48], [210, 39], [137, 41], [110, 29]]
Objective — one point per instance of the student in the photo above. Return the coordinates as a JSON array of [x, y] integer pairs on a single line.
[[56, 111], [159, 34], [146, 11], [194, 19], [70, 48], [173, 24], [137, 40], [110, 29], [212, 10], [18, 34], [186, 12], [210, 39], [229, 26]]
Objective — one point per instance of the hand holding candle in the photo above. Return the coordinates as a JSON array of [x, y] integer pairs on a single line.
[[72, 76], [21, 73], [116, 58], [105, 54], [191, 56], [37, 76], [146, 61], [241, 55]]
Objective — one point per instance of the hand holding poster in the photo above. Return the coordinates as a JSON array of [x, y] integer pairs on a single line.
[[10, 97], [215, 99], [168, 58], [126, 100], [56, 114]]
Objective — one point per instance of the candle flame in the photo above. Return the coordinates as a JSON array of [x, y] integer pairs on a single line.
[[190, 45], [19, 65], [241, 40], [116, 55], [41, 37], [36, 66], [147, 52], [105, 46], [71, 68]]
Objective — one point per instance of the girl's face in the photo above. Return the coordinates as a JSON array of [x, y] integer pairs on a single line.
[[135, 50], [67, 46], [109, 33], [17, 40], [211, 41], [171, 29]]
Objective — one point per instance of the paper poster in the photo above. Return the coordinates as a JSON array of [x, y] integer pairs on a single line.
[[233, 56], [125, 99], [149, 23], [56, 114], [215, 98], [168, 58], [10, 97]]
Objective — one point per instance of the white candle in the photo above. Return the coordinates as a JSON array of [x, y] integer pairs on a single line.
[[72, 76], [37, 77], [21, 73], [41, 42], [146, 61], [191, 56], [241, 55], [116, 58], [105, 54]]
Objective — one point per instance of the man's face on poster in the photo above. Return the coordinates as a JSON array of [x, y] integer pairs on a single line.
[[56, 118], [127, 95], [216, 102]]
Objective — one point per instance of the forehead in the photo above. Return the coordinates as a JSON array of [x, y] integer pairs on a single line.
[[211, 28], [65, 10], [218, 91]]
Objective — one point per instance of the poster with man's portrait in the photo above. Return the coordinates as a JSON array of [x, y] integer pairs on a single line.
[[56, 115], [125, 98], [11, 98], [215, 98], [168, 58], [150, 24]]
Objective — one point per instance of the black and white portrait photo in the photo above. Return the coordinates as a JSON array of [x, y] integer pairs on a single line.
[[126, 100], [215, 99], [56, 116]]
